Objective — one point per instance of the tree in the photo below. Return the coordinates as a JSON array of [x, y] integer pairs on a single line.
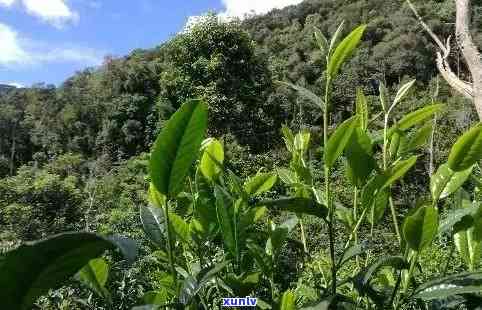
[[471, 90], [217, 61]]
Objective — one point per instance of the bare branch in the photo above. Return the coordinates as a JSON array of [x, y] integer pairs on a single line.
[[427, 28], [472, 91], [459, 85]]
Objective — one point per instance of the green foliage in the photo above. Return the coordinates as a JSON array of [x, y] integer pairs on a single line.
[[339, 140], [446, 181], [260, 183], [177, 146], [359, 156], [94, 275], [420, 228], [225, 210], [344, 50], [217, 61], [297, 205], [457, 284], [467, 150], [212, 159], [288, 301], [213, 216], [153, 223], [31, 270]]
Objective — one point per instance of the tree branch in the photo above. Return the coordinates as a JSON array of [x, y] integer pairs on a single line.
[[472, 91]]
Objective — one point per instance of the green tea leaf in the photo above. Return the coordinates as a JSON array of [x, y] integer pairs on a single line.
[[419, 116], [467, 150], [420, 228], [260, 183], [226, 219], [467, 232], [287, 176], [363, 278], [398, 170], [351, 252], [94, 275], [296, 205], [384, 96], [446, 181], [458, 284], [180, 227], [402, 92], [211, 159], [454, 219], [339, 140], [279, 234], [191, 286], [302, 141], [417, 140], [371, 189], [153, 224], [34, 268], [359, 155], [288, 301], [336, 36], [321, 40], [160, 297], [177, 146], [379, 206], [288, 138], [262, 260], [344, 50], [462, 243], [362, 108], [395, 141]]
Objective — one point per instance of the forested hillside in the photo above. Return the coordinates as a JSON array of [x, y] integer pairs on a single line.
[[76, 157], [115, 109]]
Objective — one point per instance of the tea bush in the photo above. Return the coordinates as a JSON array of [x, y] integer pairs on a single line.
[[354, 224]]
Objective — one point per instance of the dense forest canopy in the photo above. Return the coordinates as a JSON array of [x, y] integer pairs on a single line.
[[75, 157], [118, 108]]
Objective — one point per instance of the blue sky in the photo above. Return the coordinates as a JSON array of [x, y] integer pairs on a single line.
[[49, 40]]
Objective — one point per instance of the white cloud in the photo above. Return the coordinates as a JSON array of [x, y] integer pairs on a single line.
[[238, 8], [55, 12], [14, 84], [7, 2], [71, 54], [242, 8], [19, 52], [11, 53]]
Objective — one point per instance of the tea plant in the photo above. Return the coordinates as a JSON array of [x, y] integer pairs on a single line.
[[213, 234]]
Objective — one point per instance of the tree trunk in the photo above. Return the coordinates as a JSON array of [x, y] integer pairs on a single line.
[[472, 91], [469, 50], [12, 151]]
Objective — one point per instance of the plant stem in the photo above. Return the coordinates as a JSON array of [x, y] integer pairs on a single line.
[[169, 242], [355, 229], [447, 265], [394, 301], [235, 222], [385, 164], [303, 237], [355, 215], [410, 273], [395, 221], [331, 221]]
